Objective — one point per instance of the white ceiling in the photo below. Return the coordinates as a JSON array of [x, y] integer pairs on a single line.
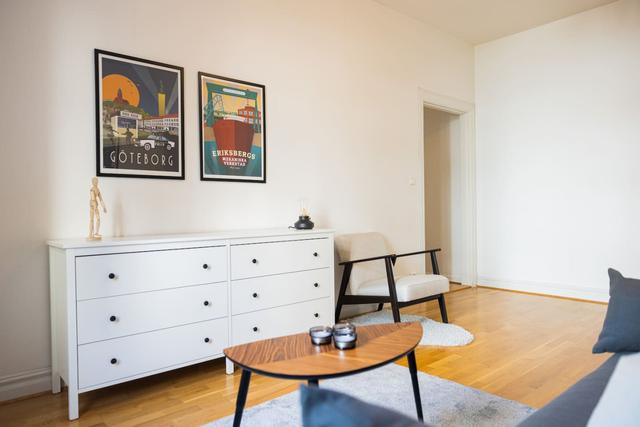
[[479, 21]]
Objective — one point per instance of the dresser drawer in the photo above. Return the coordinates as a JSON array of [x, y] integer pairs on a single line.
[[106, 318], [118, 274], [117, 359], [272, 291], [261, 259], [279, 321]]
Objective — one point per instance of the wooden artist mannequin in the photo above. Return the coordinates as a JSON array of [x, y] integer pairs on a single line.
[[95, 200]]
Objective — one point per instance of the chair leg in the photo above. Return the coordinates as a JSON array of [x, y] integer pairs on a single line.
[[395, 309], [443, 309], [338, 310], [380, 306], [346, 274]]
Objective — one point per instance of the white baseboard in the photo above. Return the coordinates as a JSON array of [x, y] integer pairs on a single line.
[[25, 383], [554, 289], [453, 278]]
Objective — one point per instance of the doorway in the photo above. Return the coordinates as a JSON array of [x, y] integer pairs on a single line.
[[447, 186], [442, 190]]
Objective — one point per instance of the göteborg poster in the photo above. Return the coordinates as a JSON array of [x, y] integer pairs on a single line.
[[139, 117]]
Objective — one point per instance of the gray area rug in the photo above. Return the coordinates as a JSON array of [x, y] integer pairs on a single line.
[[445, 403], [434, 333]]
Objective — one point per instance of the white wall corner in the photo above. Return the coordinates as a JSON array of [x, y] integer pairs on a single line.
[[25, 383]]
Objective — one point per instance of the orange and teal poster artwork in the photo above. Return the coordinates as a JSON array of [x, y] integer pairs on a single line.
[[139, 117], [232, 130]]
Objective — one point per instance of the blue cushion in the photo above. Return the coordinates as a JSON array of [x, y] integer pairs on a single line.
[[325, 408], [621, 329]]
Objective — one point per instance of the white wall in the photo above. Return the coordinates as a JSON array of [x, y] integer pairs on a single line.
[[443, 190], [341, 81], [558, 143]]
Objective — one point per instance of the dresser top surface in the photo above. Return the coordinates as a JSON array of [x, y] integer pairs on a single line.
[[178, 238]]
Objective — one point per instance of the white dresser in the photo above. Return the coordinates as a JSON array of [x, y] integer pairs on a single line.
[[126, 308]]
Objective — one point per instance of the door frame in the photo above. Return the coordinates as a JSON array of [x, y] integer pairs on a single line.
[[466, 113]]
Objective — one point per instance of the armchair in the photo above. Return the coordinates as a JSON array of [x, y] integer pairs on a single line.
[[368, 276]]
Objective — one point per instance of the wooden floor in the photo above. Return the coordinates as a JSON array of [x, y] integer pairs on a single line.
[[528, 348]]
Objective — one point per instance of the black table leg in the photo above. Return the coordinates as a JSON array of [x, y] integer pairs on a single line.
[[242, 397], [411, 357], [312, 383]]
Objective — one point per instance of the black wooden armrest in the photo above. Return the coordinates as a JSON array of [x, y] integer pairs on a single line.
[[355, 261], [419, 252], [431, 252]]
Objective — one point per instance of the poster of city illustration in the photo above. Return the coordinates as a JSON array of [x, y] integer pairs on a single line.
[[232, 130], [139, 117]]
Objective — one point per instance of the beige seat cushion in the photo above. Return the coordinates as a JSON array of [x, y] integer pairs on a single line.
[[408, 288]]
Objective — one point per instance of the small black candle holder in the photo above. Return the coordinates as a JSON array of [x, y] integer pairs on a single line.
[[303, 223]]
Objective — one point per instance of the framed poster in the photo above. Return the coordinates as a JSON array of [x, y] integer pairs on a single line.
[[232, 130], [139, 117]]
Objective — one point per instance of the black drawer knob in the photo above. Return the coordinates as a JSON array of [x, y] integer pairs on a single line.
[[255, 295], [315, 285], [114, 361], [255, 329], [205, 266], [255, 261], [206, 303], [113, 318], [316, 315], [207, 339], [315, 254], [112, 276]]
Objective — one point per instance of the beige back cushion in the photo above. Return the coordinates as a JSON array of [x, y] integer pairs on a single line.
[[363, 245]]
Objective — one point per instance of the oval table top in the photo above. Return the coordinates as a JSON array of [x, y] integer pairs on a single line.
[[295, 357]]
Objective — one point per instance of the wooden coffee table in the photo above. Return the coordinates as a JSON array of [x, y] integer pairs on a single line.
[[294, 357]]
